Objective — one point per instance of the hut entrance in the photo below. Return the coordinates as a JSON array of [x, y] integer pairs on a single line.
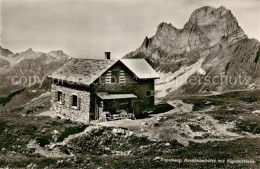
[[114, 106], [137, 108]]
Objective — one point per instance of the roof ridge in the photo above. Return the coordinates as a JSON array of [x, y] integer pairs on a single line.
[[86, 71], [132, 58], [94, 59]]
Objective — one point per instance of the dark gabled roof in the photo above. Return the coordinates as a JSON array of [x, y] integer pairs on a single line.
[[82, 71], [85, 71]]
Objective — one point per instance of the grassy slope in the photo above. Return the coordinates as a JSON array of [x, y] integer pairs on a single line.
[[234, 106], [16, 131]]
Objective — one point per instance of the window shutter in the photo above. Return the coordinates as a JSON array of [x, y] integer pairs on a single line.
[[108, 77], [71, 100], [122, 77], [63, 98], [55, 96], [152, 93], [78, 103]]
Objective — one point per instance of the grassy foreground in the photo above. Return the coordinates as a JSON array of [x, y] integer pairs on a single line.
[[103, 147]]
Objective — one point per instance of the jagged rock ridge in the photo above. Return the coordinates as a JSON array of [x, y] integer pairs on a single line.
[[211, 33]]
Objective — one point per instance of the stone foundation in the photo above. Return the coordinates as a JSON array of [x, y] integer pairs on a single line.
[[65, 108]]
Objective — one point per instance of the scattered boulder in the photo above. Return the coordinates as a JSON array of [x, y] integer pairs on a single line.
[[51, 146], [128, 133], [157, 158], [167, 144], [208, 102], [118, 131], [200, 118], [256, 112], [31, 166], [158, 118], [55, 132], [59, 163], [144, 123], [122, 132]]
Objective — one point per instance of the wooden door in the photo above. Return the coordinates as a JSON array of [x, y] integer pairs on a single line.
[[137, 108]]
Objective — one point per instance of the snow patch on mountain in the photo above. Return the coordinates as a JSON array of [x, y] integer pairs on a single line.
[[169, 82], [201, 71]]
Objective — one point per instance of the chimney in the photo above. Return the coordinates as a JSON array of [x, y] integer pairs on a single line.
[[107, 54]]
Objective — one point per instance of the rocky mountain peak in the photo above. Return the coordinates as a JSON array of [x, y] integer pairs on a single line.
[[207, 26], [211, 34], [165, 27], [208, 15], [215, 23], [28, 53], [29, 50], [59, 54]]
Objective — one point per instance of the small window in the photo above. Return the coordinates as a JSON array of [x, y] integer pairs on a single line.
[[75, 101], [115, 77], [149, 93], [59, 96]]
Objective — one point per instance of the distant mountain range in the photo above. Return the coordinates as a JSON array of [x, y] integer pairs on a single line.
[[21, 66], [5, 52], [211, 47]]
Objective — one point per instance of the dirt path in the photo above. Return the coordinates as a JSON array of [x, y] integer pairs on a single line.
[[85, 132], [221, 93], [53, 149], [55, 152], [175, 124]]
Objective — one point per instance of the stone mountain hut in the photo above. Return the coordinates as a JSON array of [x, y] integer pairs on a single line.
[[86, 89]]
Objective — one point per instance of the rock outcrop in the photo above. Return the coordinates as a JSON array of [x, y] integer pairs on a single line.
[[212, 34]]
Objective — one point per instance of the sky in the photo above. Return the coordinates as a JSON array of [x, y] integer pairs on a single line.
[[88, 28]]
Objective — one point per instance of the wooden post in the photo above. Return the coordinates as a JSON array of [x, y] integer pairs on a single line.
[[101, 108]]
